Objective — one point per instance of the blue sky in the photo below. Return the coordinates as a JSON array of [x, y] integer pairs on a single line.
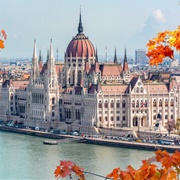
[[111, 23]]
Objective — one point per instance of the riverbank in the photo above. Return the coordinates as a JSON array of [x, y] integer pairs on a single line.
[[96, 141], [132, 144]]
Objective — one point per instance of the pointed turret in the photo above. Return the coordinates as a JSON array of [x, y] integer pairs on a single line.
[[96, 55], [35, 68], [51, 72], [96, 69], [170, 83], [125, 72], [34, 50], [80, 27], [125, 64], [115, 57], [40, 62], [51, 51], [47, 56], [40, 57]]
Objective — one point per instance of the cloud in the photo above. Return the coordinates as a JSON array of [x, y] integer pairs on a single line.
[[153, 24], [159, 16]]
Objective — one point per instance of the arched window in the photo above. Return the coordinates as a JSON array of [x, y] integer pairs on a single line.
[[154, 103], [53, 100], [79, 77], [137, 103], [137, 90], [73, 76], [133, 104]]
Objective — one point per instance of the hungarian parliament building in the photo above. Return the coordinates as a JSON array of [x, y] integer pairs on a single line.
[[85, 94]]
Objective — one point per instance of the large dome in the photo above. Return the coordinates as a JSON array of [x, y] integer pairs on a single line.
[[80, 45]]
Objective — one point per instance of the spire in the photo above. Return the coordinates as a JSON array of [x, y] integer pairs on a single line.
[[40, 58], [106, 55], [96, 56], [125, 64], [80, 27], [51, 50], [96, 69], [34, 50], [125, 57], [115, 57], [47, 55], [35, 69]]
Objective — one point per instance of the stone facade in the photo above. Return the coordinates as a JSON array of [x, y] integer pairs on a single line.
[[85, 95]]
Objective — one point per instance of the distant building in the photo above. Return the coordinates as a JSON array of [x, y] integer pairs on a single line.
[[140, 56], [175, 63]]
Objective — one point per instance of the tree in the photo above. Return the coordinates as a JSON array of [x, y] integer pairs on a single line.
[[170, 126], [163, 46], [178, 126], [169, 168], [3, 37]]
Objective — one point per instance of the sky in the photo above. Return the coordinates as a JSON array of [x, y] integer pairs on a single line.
[[107, 23]]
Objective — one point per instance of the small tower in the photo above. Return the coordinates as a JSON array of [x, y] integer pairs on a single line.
[[51, 89], [125, 72], [35, 66], [40, 61], [115, 57], [80, 27], [96, 72]]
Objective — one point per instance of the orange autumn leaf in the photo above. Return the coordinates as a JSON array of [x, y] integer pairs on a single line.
[[168, 52], [176, 158], [1, 44], [78, 171], [115, 174], [64, 169], [151, 45], [57, 171], [4, 34], [161, 37]]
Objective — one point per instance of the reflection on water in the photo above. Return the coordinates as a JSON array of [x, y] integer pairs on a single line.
[[26, 157]]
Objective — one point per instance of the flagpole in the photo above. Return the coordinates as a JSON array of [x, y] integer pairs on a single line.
[[57, 55]]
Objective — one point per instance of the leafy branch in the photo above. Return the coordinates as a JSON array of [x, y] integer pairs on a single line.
[[3, 37], [169, 169], [163, 46]]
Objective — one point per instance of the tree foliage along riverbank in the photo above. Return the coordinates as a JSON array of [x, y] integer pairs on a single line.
[[3, 37], [162, 166]]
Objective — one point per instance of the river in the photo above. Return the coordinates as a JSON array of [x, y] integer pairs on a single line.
[[26, 157]]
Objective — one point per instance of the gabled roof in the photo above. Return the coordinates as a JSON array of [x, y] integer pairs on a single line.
[[92, 88], [114, 89], [133, 82], [111, 69], [155, 88], [17, 84], [59, 67]]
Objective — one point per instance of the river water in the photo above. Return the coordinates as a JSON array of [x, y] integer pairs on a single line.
[[26, 157]]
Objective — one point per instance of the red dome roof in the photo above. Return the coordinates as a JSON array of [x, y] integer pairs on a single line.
[[81, 45]]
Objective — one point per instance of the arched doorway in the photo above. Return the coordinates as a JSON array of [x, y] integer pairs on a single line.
[[143, 121], [135, 121]]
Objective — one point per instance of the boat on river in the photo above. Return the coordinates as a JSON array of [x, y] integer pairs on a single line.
[[48, 142]]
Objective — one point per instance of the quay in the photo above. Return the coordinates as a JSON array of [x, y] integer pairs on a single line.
[[131, 144], [92, 140]]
